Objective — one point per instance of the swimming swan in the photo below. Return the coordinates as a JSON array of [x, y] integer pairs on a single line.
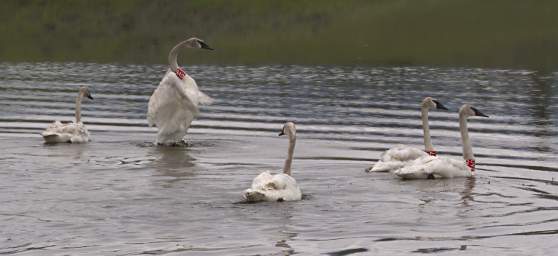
[[278, 187], [438, 167], [400, 155], [75, 132], [174, 104]]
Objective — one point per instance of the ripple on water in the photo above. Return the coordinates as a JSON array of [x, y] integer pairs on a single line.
[[122, 194]]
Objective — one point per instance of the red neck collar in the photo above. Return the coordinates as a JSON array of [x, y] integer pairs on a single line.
[[471, 164], [180, 73], [432, 152]]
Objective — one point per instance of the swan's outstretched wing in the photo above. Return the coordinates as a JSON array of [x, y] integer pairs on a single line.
[[173, 106], [204, 99], [171, 96]]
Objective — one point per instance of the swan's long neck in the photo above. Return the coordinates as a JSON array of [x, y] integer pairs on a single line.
[[173, 54], [467, 148], [289, 161], [426, 131], [78, 107]]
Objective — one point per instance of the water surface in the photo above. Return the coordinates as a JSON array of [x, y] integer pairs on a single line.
[[120, 195]]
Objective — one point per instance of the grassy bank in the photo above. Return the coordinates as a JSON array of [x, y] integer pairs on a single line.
[[496, 33]]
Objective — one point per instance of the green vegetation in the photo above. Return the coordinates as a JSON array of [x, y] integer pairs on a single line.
[[481, 33]]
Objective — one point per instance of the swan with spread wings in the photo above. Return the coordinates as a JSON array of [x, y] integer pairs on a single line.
[[175, 103]]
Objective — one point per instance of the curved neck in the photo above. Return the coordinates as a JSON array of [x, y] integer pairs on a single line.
[[173, 55], [426, 130], [467, 148], [78, 107], [289, 161]]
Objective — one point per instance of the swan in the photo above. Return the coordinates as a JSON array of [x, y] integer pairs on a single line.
[[400, 155], [174, 104], [439, 167], [75, 132], [278, 187]]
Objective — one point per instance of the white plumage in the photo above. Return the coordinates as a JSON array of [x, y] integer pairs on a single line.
[[74, 132], [269, 187], [173, 106], [278, 187], [400, 155], [430, 167], [397, 157], [58, 132], [175, 103], [440, 167]]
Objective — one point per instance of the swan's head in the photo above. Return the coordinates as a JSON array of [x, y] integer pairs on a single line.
[[289, 129], [195, 42], [85, 92], [469, 110], [428, 102]]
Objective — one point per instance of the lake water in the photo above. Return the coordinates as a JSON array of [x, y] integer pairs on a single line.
[[121, 195]]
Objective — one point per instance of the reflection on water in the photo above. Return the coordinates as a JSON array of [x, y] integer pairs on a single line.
[[121, 194], [467, 193], [169, 159]]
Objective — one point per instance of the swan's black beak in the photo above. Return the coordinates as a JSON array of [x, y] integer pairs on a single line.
[[478, 113], [205, 46], [281, 133], [439, 105], [89, 96]]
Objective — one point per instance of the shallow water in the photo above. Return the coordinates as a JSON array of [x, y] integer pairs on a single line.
[[120, 195]]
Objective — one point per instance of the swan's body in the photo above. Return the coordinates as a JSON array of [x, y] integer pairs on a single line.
[[269, 187], [440, 167], [397, 157], [400, 155], [278, 187], [58, 132], [175, 103], [74, 132], [431, 167]]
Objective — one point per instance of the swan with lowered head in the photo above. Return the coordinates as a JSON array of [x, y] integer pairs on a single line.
[[175, 103], [400, 155], [75, 132], [278, 187], [439, 167]]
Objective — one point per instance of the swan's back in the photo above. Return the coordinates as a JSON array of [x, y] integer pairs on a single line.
[[58, 132], [434, 167], [396, 158], [268, 187]]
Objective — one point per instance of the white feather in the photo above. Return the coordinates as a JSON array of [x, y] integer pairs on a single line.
[[397, 157], [441, 167], [74, 132], [173, 106], [434, 167], [268, 187], [278, 187], [58, 132], [400, 155]]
